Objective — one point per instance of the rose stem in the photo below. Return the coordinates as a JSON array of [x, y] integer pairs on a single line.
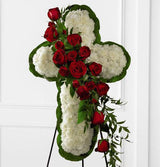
[[104, 153], [82, 162], [50, 153]]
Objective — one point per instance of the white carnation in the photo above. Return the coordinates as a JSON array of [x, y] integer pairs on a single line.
[[80, 21], [111, 58], [74, 140], [43, 62]]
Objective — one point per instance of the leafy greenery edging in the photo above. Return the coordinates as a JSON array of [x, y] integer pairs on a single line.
[[98, 40], [63, 153], [123, 73], [92, 15], [32, 66]]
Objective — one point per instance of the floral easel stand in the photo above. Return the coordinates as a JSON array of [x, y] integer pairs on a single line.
[[81, 65], [50, 152]]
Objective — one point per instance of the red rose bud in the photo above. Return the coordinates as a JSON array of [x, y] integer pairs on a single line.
[[75, 83], [64, 32], [71, 56], [74, 39], [83, 92], [94, 101], [51, 34], [54, 14], [64, 71], [59, 45], [98, 118], [103, 146], [84, 52], [90, 85], [78, 69], [58, 57], [95, 68], [51, 24], [102, 89]]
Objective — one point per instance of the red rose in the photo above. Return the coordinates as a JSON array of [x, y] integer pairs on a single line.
[[94, 101], [64, 71], [83, 92], [54, 14], [103, 146], [95, 68], [71, 56], [84, 52], [90, 85], [51, 24], [58, 57], [102, 89], [78, 69], [74, 39], [51, 34], [98, 118], [59, 45], [75, 83]]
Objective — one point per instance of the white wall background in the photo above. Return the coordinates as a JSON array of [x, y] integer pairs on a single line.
[[28, 104]]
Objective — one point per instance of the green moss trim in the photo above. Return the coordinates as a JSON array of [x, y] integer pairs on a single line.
[[98, 40], [63, 153], [32, 66], [123, 73], [92, 15]]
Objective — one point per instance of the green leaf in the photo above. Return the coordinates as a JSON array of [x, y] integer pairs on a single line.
[[86, 126], [82, 111], [114, 129], [127, 136], [126, 129], [81, 116], [72, 91], [115, 143], [117, 158], [122, 122], [71, 30], [118, 102], [109, 109], [120, 129]]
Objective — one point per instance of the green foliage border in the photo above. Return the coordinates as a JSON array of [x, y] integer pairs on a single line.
[[98, 40], [32, 66], [63, 153], [92, 15]]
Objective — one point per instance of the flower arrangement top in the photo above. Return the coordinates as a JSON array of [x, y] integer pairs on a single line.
[[74, 56]]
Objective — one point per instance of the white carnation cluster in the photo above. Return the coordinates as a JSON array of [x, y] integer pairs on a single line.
[[74, 140], [111, 57], [43, 62], [80, 21]]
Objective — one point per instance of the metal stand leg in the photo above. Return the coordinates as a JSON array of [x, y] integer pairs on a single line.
[[82, 162], [104, 153], [50, 153]]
